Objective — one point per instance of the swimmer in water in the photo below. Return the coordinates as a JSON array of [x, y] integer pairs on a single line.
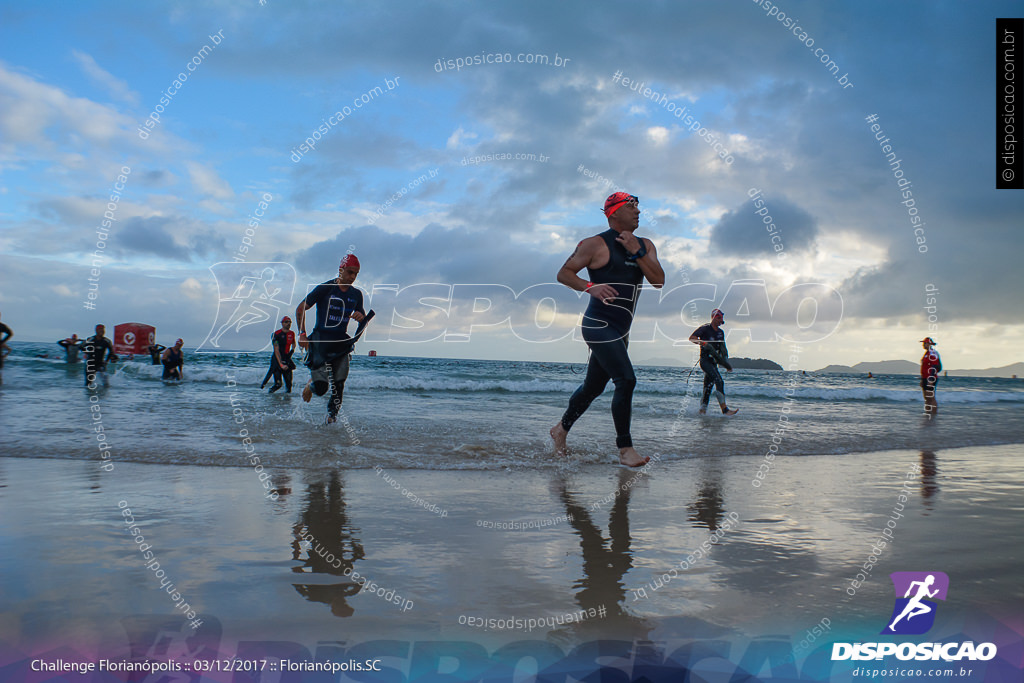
[[173, 360], [98, 352], [72, 345]]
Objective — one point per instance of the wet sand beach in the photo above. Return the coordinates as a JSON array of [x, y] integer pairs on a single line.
[[684, 551]]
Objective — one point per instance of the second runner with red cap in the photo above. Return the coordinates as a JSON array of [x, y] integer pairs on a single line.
[[337, 302], [281, 363], [617, 262]]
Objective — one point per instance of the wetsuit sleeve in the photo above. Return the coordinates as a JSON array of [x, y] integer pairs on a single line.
[[359, 305], [111, 357], [314, 297]]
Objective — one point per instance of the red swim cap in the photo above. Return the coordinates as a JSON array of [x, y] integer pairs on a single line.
[[350, 261], [614, 201]]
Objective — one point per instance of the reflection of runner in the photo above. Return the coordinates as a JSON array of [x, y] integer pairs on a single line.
[[617, 262], [253, 305], [915, 607]]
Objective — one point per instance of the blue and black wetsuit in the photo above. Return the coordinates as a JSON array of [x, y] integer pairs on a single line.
[[709, 362], [606, 330], [172, 364]]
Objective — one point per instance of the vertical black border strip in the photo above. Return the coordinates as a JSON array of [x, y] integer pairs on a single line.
[[1009, 136]]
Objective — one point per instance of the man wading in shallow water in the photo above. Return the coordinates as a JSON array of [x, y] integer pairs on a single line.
[[336, 301], [617, 262]]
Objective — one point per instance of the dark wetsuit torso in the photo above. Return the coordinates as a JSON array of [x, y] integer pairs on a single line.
[[606, 331], [154, 353], [172, 364], [626, 277]]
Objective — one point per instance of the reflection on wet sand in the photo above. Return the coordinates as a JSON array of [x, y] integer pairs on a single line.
[[326, 543], [605, 562], [708, 509], [929, 482]]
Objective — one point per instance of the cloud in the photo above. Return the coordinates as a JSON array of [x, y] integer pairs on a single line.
[[115, 86], [206, 181], [156, 236], [752, 232], [36, 116]]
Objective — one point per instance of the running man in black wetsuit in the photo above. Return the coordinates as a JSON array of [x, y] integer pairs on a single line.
[[617, 262], [337, 302], [98, 352], [713, 353], [173, 360], [281, 363]]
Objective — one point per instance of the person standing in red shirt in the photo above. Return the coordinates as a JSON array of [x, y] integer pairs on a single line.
[[931, 366], [281, 363]]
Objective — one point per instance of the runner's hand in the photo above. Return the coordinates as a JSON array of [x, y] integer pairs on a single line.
[[357, 316], [303, 341], [629, 241], [603, 293]]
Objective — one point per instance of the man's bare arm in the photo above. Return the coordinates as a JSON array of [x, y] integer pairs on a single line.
[[651, 267], [577, 261]]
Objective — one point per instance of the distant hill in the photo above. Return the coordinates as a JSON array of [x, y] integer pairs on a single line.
[[754, 364], [885, 367], [1005, 371], [905, 367]]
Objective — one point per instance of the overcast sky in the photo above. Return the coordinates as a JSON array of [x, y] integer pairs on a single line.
[[77, 81]]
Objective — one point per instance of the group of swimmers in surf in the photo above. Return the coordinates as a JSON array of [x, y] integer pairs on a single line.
[[99, 351], [617, 263]]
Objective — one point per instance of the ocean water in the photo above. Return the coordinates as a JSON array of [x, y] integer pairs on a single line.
[[402, 412]]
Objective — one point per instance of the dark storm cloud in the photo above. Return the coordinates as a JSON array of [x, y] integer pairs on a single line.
[[154, 236], [749, 230]]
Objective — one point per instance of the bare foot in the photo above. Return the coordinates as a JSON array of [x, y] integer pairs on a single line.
[[726, 411], [630, 458], [702, 411], [558, 435], [307, 393]]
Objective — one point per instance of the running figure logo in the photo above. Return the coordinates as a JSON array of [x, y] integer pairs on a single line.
[[258, 294], [914, 613]]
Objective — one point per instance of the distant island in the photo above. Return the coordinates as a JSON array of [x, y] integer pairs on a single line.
[[905, 367], [738, 363], [754, 364]]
